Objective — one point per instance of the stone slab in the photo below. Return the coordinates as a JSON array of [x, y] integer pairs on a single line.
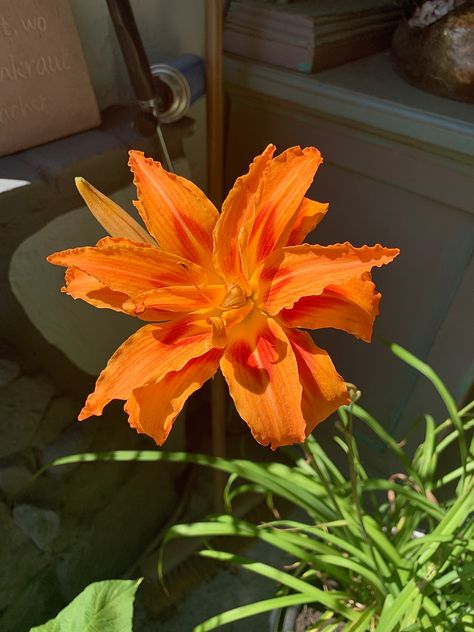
[[22, 405], [17, 553]]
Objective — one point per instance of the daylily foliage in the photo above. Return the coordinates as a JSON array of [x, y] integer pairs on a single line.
[[232, 291]]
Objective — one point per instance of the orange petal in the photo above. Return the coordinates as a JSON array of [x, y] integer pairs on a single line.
[[83, 286], [261, 371], [286, 180], [178, 298], [175, 211], [237, 209], [351, 306], [116, 221], [146, 357], [308, 216], [153, 409], [233, 317], [324, 390], [296, 271], [130, 268], [219, 331]]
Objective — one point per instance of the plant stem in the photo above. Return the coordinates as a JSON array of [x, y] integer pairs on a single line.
[[326, 484], [354, 476], [218, 416]]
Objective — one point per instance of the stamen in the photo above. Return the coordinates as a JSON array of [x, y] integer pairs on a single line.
[[193, 283], [219, 334], [234, 298]]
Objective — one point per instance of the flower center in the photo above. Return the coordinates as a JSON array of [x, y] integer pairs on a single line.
[[234, 298]]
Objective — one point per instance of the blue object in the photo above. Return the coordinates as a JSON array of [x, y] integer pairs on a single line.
[[193, 69]]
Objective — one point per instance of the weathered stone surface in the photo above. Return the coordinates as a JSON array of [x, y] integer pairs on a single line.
[[14, 477], [20, 559], [61, 413], [91, 486], [38, 601], [103, 514], [110, 541], [9, 370], [86, 335], [40, 524], [76, 438], [22, 404]]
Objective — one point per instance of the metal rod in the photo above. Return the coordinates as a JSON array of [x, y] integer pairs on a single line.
[[215, 160], [132, 48], [164, 150], [219, 413], [215, 101], [138, 68]]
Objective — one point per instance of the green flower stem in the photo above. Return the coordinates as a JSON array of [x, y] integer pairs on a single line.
[[326, 484], [354, 477], [218, 416]]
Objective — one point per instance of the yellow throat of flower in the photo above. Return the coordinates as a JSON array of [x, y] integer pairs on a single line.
[[234, 298]]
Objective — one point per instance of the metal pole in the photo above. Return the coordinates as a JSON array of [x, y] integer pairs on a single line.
[[215, 101], [215, 161], [138, 67]]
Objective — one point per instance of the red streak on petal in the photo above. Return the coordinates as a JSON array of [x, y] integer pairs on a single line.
[[264, 231], [190, 233]]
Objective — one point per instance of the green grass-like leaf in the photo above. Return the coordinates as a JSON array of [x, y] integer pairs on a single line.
[[443, 392], [236, 614], [391, 555], [328, 599]]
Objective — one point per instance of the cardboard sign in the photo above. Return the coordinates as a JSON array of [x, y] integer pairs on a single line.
[[45, 90]]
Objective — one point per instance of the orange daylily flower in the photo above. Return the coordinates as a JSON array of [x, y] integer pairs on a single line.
[[230, 291]]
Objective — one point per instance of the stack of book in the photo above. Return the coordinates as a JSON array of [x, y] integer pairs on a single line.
[[309, 35]]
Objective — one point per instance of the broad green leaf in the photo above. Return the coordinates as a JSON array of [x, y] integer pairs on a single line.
[[105, 606]]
